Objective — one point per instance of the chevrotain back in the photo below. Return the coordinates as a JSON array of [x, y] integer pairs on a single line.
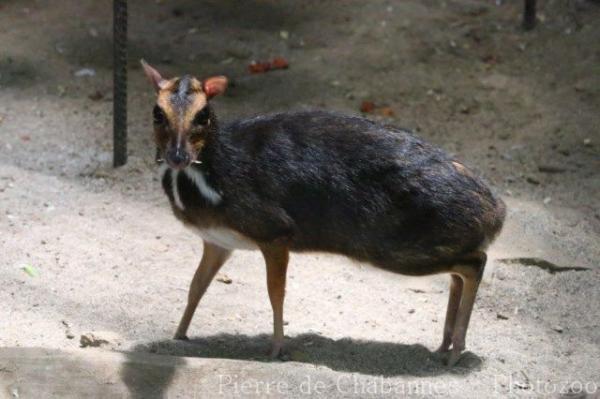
[[321, 181]]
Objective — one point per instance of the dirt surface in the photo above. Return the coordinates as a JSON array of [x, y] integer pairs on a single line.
[[90, 249]]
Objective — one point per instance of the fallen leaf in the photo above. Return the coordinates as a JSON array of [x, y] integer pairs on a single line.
[[259, 67], [386, 111], [30, 270], [490, 59], [367, 106], [96, 96], [91, 340], [279, 63]]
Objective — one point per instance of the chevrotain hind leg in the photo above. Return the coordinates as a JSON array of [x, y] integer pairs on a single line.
[[212, 259], [470, 271], [456, 286], [276, 259]]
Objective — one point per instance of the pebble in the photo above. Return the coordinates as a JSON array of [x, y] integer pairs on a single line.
[[558, 329], [85, 72], [224, 279]]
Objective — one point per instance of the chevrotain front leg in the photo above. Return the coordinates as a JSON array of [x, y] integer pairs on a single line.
[[276, 259], [212, 259]]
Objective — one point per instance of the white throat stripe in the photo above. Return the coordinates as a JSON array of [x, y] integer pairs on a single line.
[[175, 186], [197, 177]]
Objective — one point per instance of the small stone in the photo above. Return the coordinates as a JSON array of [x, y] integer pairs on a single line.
[[85, 72], [532, 180], [70, 335], [587, 142], [500, 316], [224, 279], [411, 311], [558, 329], [547, 200]]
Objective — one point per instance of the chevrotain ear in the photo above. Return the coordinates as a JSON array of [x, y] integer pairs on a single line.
[[214, 86], [153, 76]]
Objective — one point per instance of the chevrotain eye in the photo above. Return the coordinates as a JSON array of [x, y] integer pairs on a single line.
[[158, 116], [201, 117]]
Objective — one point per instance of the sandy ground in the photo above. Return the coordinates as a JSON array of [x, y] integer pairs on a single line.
[[521, 108]]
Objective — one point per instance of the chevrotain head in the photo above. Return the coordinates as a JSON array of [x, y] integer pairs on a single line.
[[183, 117]]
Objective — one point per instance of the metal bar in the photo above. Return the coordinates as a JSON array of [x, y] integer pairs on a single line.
[[119, 82], [529, 14]]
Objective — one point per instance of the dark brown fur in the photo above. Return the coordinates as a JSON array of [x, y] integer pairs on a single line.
[[322, 181]]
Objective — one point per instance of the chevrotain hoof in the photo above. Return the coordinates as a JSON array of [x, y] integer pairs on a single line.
[[277, 351], [453, 358]]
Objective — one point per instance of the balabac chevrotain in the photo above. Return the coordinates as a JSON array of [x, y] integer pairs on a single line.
[[320, 181]]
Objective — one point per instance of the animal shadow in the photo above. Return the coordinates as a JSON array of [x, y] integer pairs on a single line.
[[348, 355]]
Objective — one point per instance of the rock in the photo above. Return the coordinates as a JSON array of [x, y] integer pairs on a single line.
[[587, 142], [91, 340], [85, 72], [500, 316], [224, 279], [547, 200], [558, 329], [532, 180]]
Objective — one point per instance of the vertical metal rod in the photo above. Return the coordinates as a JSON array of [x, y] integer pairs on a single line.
[[529, 14], [119, 82]]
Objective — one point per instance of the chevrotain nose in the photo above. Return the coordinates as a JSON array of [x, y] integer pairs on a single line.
[[178, 158]]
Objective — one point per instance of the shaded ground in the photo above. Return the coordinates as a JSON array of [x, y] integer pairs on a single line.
[[521, 108]]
